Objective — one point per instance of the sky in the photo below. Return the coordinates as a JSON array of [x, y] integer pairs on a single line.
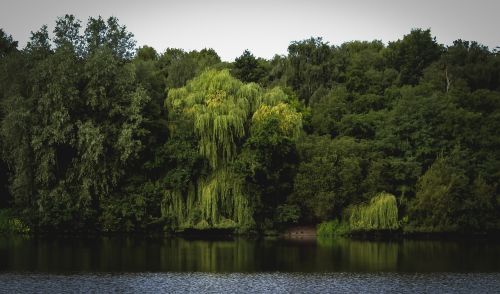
[[265, 27]]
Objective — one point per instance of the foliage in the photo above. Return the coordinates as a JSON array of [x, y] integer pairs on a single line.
[[381, 213], [332, 228], [411, 55], [7, 44], [177, 66], [269, 154], [220, 108], [78, 128], [328, 176], [249, 69], [287, 214], [310, 66], [88, 141], [447, 199], [11, 225]]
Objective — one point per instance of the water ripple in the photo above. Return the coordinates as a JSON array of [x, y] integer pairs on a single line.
[[251, 283]]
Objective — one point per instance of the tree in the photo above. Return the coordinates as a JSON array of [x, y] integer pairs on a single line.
[[465, 66], [38, 47], [311, 66], [270, 156], [179, 66], [329, 176], [8, 48], [109, 33], [146, 53], [328, 111], [411, 55], [381, 213], [220, 108], [78, 128], [67, 33], [88, 141], [363, 67], [438, 190], [421, 124], [248, 69], [7, 44]]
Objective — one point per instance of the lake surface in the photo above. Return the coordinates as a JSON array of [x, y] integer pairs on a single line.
[[147, 264]]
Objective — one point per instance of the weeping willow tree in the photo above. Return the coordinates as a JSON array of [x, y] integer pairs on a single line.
[[220, 110], [381, 213]]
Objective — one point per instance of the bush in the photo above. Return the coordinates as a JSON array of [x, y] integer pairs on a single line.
[[12, 225], [287, 214], [380, 214], [202, 225], [332, 228], [226, 223]]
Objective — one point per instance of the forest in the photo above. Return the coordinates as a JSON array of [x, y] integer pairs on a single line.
[[99, 135]]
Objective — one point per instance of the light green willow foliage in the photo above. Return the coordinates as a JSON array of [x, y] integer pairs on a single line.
[[290, 122], [219, 107], [224, 186], [380, 214]]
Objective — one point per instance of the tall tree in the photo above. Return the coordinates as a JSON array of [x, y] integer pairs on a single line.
[[411, 55], [311, 66], [220, 108], [7, 44], [248, 69]]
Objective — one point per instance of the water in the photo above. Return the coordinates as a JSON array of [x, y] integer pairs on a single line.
[[235, 265], [251, 283]]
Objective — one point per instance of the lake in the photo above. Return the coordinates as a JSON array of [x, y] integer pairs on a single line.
[[154, 264]]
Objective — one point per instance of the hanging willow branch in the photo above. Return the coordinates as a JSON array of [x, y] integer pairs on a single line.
[[380, 214], [219, 105], [220, 108]]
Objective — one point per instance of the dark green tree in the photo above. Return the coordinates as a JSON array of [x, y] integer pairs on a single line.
[[412, 54], [248, 69], [7, 44], [310, 67], [329, 176], [448, 199]]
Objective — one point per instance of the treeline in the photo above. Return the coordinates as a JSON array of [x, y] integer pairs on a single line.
[[98, 135]]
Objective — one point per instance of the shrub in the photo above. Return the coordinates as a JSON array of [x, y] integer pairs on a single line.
[[226, 223], [332, 228], [202, 225], [381, 213], [287, 214], [9, 224]]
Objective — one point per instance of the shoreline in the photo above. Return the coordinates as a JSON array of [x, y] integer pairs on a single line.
[[289, 234]]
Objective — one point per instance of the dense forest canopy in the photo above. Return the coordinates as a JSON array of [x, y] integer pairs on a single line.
[[99, 135]]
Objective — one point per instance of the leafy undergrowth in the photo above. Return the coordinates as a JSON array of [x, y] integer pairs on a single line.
[[10, 224]]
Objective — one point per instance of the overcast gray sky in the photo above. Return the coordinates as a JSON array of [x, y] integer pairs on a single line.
[[264, 27]]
